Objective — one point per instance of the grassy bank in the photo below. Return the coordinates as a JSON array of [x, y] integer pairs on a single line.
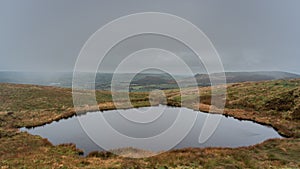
[[275, 103], [22, 150]]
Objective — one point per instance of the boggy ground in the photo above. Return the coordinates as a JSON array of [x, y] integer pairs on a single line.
[[275, 103]]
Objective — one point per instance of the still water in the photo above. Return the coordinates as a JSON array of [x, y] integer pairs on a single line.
[[229, 132]]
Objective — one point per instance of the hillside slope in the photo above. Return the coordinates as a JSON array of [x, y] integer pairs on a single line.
[[275, 103], [235, 77]]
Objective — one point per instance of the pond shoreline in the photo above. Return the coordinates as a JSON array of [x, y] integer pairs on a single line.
[[227, 113], [203, 108], [69, 131]]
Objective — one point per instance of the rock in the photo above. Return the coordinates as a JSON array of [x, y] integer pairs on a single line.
[[10, 113]]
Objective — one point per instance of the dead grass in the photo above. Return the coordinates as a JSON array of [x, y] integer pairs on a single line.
[[275, 103]]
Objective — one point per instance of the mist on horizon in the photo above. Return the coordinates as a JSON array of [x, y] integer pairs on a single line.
[[248, 35]]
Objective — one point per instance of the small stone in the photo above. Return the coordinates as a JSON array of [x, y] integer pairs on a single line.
[[10, 113]]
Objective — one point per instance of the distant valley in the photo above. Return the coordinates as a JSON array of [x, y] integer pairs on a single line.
[[140, 81]]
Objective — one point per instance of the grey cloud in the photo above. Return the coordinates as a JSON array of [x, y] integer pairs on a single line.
[[249, 35]]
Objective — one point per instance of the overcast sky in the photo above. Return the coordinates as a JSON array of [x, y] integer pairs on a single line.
[[249, 35]]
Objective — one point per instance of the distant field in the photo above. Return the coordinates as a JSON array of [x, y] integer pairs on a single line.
[[142, 82]]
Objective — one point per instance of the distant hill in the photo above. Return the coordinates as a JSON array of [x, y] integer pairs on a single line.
[[235, 77], [152, 79], [143, 80]]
